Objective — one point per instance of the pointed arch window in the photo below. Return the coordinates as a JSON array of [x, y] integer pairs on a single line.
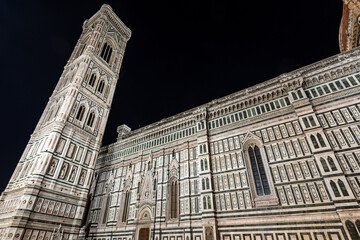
[[101, 86], [195, 168], [259, 175], [106, 211], [174, 200], [207, 183], [324, 165], [300, 94], [92, 80], [343, 188], [294, 96], [80, 114], [335, 189], [312, 121], [204, 202], [209, 202], [352, 230], [332, 164], [126, 206], [90, 121], [321, 140], [106, 52], [306, 122], [314, 142]]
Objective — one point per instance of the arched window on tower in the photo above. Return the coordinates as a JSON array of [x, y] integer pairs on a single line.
[[207, 183], [106, 52], [92, 80], [343, 188], [324, 165], [90, 121], [101, 86], [204, 202], [332, 164], [300, 94], [258, 171], [80, 114], [352, 230], [321, 140], [209, 202], [314, 142], [335, 189]]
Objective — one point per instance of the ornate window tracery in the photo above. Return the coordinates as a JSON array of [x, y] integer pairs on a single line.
[[259, 175], [100, 88], [126, 207], [106, 52], [80, 114], [335, 189], [90, 121], [173, 199], [92, 80]]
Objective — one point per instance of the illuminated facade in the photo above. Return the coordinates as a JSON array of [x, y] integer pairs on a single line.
[[276, 161]]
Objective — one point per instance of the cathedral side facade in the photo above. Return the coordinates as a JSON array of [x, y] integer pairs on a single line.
[[277, 161]]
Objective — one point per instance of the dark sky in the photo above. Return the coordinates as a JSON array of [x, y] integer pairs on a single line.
[[181, 54]]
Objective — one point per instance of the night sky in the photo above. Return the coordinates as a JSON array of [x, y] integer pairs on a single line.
[[181, 54]]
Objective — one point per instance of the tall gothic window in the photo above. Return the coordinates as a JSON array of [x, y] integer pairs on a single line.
[[195, 168], [173, 200], [106, 210], [343, 188], [332, 164], [321, 140], [92, 80], [257, 166], [91, 118], [80, 114], [106, 52], [126, 206], [335, 188], [314, 142], [101, 86], [324, 165], [352, 230]]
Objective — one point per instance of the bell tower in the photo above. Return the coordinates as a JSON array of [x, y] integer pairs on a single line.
[[47, 195]]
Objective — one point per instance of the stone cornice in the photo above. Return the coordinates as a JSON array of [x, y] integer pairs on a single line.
[[115, 20], [335, 66]]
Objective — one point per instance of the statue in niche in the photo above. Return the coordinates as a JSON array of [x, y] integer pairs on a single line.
[[72, 175], [57, 234], [52, 168], [82, 177], [209, 233], [63, 170]]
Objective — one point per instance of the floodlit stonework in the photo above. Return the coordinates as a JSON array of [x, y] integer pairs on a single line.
[[276, 161]]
